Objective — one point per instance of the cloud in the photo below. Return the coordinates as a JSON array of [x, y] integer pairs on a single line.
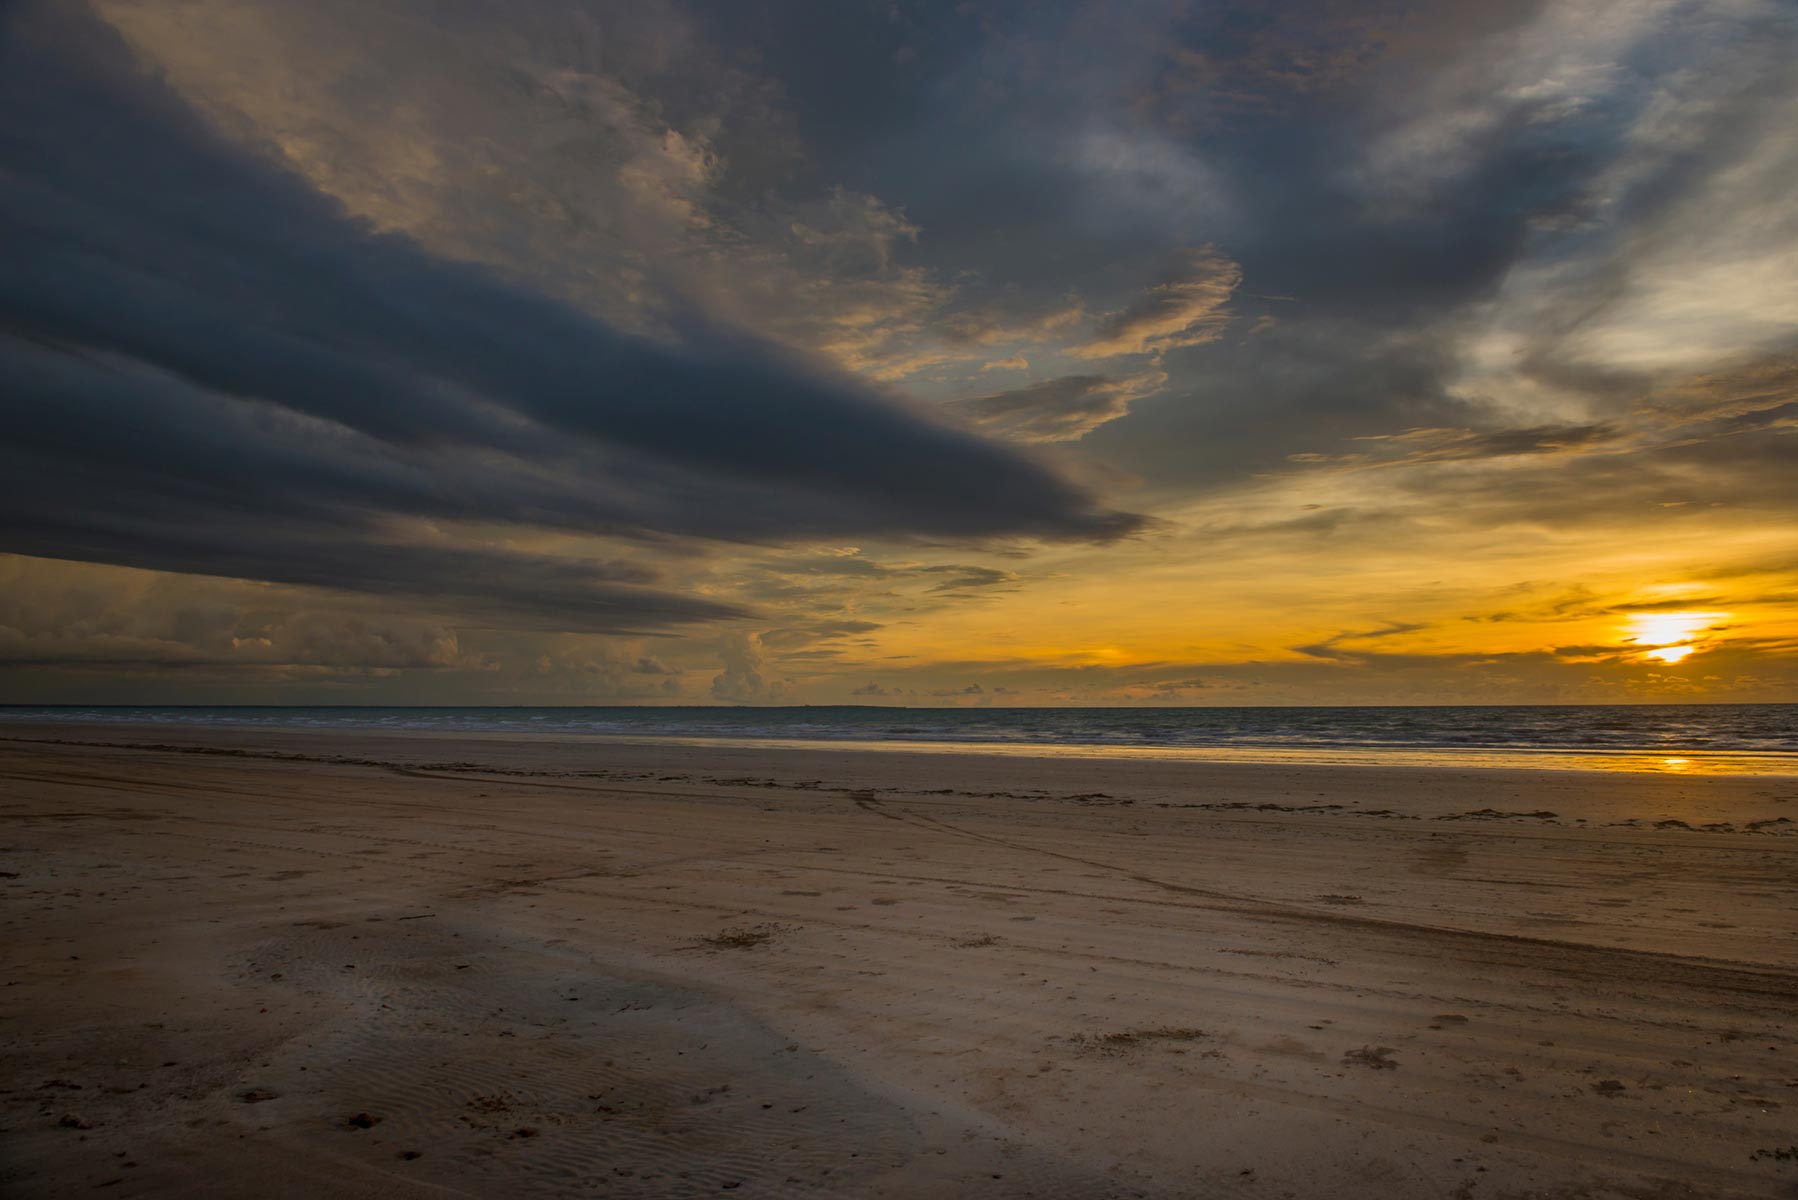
[[1187, 308], [1640, 278], [998, 324], [592, 673], [964, 578], [628, 157], [1239, 406], [816, 631], [843, 628], [239, 378], [1516, 191], [294, 641], [89, 618], [1266, 63], [832, 280], [742, 681], [1436, 445], [1561, 63], [1059, 410], [1676, 457], [1414, 446], [1334, 648], [838, 596]]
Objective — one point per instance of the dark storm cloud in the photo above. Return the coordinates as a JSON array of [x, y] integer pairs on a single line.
[[1063, 148], [209, 367], [1369, 338], [108, 461], [1379, 170]]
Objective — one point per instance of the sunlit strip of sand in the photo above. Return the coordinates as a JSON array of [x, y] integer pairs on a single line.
[[1685, 762]]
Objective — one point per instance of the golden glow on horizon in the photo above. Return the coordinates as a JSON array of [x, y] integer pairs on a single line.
[[1668, 637], [1617, 621]]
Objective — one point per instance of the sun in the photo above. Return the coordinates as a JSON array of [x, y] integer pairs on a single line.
[[1668, 637]]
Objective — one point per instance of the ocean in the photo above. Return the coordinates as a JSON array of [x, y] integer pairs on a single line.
[[1759, 738]]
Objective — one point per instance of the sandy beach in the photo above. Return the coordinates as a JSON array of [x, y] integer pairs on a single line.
[[276, 963]]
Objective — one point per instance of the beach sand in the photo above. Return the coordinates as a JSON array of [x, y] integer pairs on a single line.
[[265, 963]]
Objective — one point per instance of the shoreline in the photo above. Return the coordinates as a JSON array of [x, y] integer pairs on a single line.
[[1761, 764], [689, 970]]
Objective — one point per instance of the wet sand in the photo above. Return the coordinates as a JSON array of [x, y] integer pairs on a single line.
[[283, 964]]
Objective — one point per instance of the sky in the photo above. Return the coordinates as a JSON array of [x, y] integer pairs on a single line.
[[1170, 352]]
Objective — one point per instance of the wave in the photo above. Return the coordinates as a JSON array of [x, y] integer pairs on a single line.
[[1656, 728]]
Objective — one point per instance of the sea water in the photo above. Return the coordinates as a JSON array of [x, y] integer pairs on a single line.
[[1759, 737]]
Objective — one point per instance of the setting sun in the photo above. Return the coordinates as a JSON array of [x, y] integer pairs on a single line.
[[1668, 637]]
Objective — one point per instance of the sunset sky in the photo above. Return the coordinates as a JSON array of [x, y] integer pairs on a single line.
[[973, 352]]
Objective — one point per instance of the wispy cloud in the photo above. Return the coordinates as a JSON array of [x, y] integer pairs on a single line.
[[1187, 308], [1060, 410]]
